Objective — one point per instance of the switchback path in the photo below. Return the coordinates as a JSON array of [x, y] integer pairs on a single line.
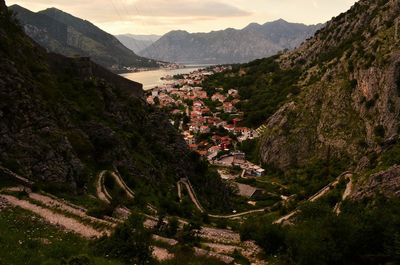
[[316, 196], [102, 192], [121, 183], [185, 182]]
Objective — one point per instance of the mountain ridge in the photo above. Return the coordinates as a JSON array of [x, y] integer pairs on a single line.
[[137, 43], [64, 33], [229, 45]]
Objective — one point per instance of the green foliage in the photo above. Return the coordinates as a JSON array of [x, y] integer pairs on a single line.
[[270, 237], [78, 260], [391, 156], [26, 239], [398, 84], [361, 234], [130, 242], [379, 131], [240, 259], [172, 228], [185, 256], [101, 210], [251, 149], [189, 235], [262, 89], [308, 179]]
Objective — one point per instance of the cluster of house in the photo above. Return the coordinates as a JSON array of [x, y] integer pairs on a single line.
[[185, 97]]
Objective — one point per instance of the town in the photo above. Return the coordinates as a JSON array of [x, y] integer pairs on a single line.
[[208, 120]]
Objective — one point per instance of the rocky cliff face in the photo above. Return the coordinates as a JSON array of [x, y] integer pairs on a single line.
[[230, 45], [349, 100]]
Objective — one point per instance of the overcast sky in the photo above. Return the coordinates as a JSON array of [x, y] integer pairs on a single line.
[[161, 16]]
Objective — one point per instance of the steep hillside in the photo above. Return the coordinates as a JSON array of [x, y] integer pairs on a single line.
[[137, 43], [230, 45], [63, 33], [63, 120]]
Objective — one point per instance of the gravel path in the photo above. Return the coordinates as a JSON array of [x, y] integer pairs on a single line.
[[220, 235], [161, 254], [53, 203], [318, 195], [121, 183], [101, 192], [55, 218]]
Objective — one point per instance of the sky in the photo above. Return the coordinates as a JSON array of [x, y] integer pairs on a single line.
[[161, 16]]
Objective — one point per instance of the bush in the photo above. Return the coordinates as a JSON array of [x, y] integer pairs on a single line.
[[361, 234], [130, 242], [379, 131], [100, 211], [78, 260]]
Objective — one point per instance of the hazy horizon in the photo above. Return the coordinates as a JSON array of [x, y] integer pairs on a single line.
[[160, 16]]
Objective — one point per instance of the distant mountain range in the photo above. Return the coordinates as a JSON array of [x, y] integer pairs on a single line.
[[63, 33], [230, 45], [137, 43]]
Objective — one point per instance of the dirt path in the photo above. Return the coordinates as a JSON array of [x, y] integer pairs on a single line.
[[221, 248], [162, 254], [222, 236], [239, 214], [56, 204], [192, 194], [346, 193], [53, 218], [205, 253], [16, 176], [121, 183], [316, 196], [196, 202], [102, 194]]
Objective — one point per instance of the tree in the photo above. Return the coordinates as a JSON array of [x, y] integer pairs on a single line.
[[172, 228], [189, 234], [129, 243]]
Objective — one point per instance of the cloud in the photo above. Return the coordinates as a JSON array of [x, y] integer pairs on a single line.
[[185, 8], [160, 16], [112, 10]]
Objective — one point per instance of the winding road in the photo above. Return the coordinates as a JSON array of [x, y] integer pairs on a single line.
[[102, 192], [316, 196], [186, 183]]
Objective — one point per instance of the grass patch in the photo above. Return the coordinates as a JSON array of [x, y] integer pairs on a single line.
[[27, 239]]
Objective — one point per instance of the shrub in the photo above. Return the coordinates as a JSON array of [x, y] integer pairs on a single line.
[[130, 242], [379, 131]]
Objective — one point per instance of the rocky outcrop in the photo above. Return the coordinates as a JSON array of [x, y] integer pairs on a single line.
[[230, 45], [385, 183]]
